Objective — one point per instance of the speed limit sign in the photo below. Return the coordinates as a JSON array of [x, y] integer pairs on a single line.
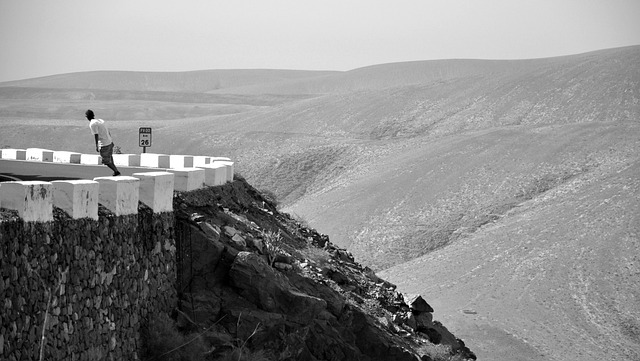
[[144, 137]]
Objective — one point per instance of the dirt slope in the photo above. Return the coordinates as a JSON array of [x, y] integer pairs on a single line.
[[414, 200], [555, 279]]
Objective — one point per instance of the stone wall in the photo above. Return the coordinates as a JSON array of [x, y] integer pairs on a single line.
[[81, 289], [85, 263]]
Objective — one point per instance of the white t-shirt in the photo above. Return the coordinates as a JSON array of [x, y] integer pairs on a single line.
[[97, 127]]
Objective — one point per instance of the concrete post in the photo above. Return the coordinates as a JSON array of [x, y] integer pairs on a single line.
[[66, 157], [90, 159], [230, 170], [120, 194], [156, 190], [215, 159], [180, 161], [215, 174], [40, 155], [79, 198], [153, 160], [199, 160], [127, 160], [17, 154], [188, 179], [32, 200]]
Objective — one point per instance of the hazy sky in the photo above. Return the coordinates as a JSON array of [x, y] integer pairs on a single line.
[[45, 37]]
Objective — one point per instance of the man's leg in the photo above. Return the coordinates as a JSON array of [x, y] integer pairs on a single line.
[[113, 168], [106, 153]]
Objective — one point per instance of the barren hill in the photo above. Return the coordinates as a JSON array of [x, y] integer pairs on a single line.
[[452, 166], [190, 82]]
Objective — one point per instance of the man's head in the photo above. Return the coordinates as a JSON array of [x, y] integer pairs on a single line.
[[89, 114]]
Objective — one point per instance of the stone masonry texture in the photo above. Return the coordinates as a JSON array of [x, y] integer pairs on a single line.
[[83, 289]]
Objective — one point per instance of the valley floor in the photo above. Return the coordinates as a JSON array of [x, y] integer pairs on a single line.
[[555, 279]]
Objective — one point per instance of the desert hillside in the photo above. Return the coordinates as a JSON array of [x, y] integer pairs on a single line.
[[505, 190], [555, 278], [188, 82]]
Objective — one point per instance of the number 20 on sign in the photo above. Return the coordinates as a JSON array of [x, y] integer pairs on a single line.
[[144, 138]]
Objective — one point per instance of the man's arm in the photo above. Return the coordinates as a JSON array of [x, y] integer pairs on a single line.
[[96, 137]]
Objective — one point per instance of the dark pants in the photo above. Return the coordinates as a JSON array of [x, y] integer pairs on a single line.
[[106, 152]]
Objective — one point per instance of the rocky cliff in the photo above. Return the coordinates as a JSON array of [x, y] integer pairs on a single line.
[[253, 279]]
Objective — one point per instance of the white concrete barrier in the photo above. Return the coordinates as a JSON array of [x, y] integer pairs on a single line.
[[39, 154], [215, 174], [120, 194], [153, 160], [156, 190], [230, 170], [17, 154], [180, 161], [199, 160], [90, 159], [215, 159], [32, 200], [188, 179], [66, 157], [79, 198], [127, 160]]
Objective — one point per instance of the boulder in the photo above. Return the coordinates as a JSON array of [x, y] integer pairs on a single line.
[[269, 290], [257, 244], [417, 303], [410, 320], [423, 320], [282, 266], [446, 337], [230, 231], [335, 301], [211, 231], [238, 241], [338, 277]]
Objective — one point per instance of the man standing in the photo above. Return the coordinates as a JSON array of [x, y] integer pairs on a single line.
[[104, 144]]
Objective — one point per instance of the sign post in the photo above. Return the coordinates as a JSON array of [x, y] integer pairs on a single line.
[[144, 138]]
